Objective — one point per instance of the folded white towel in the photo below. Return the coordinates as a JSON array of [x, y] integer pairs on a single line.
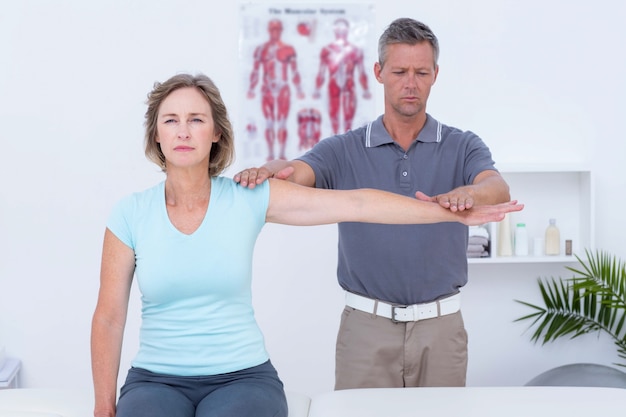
[[475, 248], [478, 231], [483, 254], [478, 240]]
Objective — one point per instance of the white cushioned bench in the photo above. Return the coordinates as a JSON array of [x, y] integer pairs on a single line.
[[375, 402]]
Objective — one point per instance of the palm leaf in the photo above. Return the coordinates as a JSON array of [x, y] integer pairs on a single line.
[[593, 300]]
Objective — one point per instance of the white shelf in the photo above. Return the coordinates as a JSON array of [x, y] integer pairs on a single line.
[[523, 259], [562, 192]]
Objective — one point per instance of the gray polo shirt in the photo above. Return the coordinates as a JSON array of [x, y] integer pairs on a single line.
[[402, 264]]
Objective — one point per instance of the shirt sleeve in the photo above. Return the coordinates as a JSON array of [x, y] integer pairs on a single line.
[[120, 219], [323, 159], [478, 158]]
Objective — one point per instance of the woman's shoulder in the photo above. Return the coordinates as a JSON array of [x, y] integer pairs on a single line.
[[229, 185], [233, 197], [144, 197]]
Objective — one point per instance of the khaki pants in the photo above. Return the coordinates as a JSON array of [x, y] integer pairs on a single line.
[[374, 352]]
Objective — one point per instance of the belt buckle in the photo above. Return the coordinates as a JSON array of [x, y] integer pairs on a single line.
[[393, 313]]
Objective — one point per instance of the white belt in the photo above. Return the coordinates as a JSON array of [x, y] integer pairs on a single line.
[[402, 313]]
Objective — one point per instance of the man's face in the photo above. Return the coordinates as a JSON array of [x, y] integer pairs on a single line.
[[407, 76]]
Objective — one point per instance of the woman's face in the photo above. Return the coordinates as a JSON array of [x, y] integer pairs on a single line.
[[185, 129]]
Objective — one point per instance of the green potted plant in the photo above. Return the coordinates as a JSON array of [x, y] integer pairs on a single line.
[[593, 300]]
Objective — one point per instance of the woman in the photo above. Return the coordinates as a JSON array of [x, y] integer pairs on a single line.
[[189, 240]]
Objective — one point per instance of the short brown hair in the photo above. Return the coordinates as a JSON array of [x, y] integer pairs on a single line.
[[222, 151], [406, 31]]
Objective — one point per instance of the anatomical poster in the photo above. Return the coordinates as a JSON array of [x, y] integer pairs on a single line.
[[306, 74]]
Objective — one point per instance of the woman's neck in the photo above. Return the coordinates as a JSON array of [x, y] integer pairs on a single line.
[[187, 188]]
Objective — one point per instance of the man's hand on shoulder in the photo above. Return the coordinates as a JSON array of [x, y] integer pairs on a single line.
[[251, 177]]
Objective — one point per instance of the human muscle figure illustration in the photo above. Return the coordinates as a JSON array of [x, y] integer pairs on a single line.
[[309, 127], [340, 58], [276, 59]]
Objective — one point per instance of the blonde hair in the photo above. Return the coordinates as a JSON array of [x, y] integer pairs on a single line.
[[222, 151]]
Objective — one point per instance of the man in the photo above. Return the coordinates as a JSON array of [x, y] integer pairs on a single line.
[[276, 59], [402, 325], [341, 58]]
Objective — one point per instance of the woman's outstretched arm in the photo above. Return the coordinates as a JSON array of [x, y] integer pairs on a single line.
[[301, 206]]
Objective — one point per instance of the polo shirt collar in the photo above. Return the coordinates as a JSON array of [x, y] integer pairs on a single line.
[[377, 135]]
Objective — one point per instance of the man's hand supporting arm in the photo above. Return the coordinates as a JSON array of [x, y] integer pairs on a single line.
[[488, 188]]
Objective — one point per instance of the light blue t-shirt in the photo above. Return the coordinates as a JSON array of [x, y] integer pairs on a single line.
[[197, 315]]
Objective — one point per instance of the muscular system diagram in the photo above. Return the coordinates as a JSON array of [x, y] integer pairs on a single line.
[[275, 65], [341, 59]]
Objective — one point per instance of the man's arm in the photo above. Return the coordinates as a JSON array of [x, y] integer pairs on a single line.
[[295, 171], [488, 188]]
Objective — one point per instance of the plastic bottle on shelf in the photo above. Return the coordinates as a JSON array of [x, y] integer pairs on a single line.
[[505, 239], [521, 240], [553, 239]]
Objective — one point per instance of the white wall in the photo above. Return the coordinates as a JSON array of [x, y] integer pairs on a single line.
[[539, 81]]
